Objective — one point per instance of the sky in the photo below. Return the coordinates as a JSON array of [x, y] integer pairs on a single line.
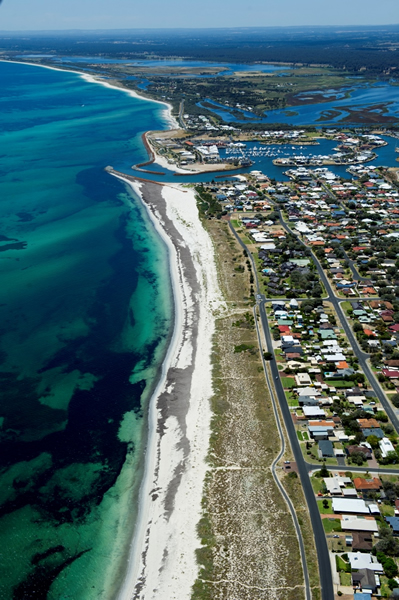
[[16, 15]]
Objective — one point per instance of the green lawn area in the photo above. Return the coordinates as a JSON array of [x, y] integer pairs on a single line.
[[317, 484], [322, 510], [290, 399], [235, 222], [385, 589], [300, 436], [340, 383], [306, 436], [346, 306], [342, 565], [387, 510], [331, 525], [288, 382], [345, 579]]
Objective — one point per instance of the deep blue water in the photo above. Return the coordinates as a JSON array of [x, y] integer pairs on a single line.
[[86, 312]]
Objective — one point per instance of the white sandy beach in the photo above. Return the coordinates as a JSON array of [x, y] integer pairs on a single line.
[[162, 563]]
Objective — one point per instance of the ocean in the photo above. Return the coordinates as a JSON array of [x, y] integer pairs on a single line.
[[86, 314]]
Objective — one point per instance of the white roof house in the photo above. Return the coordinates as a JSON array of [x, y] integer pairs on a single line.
[[309, 391], [353, 523], [335, 484], [303, 379], [313, 411], [334, 357], [385, 446], [361, 560], [344, 505]]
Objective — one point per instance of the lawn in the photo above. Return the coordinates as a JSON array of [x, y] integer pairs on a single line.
[[345, 579], [331, 525], [317, 484], [322, 510], [340, 383], [288, 382], [387, 510], [305, 436], [300, 436], [346, 306], [291, 400]]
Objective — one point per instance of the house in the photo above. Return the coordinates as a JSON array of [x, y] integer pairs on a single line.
[[367, 485], [349, 505], [354, 523], [313, 412], [362, 596], [373, 431], [353, 449], [320, 430], [368, 423], [326, 449], [308, 401], [362, 541], [360, 560], [365, 579], [303, 379], [393, 522], [385, 447], [309, 391], [336, 484], [391, 374]]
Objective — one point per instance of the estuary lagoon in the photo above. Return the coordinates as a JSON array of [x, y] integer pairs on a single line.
[[359, 104]]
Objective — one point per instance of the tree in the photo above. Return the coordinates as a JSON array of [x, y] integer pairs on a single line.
[[373, 441], [390, 568], [387, 544], [325, 503], [392, 584], [324, 471], [395, 400], [358, 458], [381, 416], [357, 327]]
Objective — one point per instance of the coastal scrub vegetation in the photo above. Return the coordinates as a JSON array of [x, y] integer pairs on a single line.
[[244, 514]]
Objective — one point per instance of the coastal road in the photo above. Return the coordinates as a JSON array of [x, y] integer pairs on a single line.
[[325, 574], [276, 478], [317, 526]]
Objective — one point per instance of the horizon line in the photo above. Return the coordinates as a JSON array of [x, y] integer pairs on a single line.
[[205, 28]]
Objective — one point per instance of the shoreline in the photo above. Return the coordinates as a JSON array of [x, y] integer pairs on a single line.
[[161, 560], [173, 124], [179, 411]]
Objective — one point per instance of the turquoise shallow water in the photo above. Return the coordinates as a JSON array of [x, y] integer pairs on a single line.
[[86, 312]]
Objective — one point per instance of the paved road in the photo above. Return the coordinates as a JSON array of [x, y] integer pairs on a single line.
[[353, 268], [276, 478], [318, 530], [317, 526]]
